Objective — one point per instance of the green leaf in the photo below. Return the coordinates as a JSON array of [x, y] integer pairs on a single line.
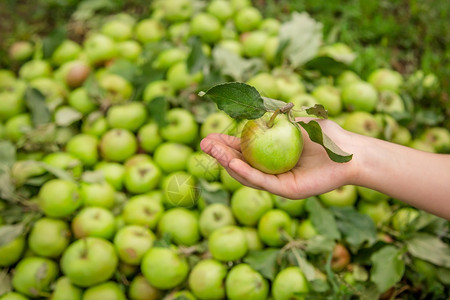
[[388, 267], [230, 64], [158, 108], [197, 58], [326, 65], [35, 101], [146, 75], [61, 174], [52, 41], [125, 69], [316, 135], [264, 261], [66, 116], [239, 100], [7, 153], [164, 242], [213, 194], [320, 244], [317, 110], [8, 233], [306, 267], [356, 228], [429, 248], [5, 282], [304, 37], [322, 219], [273, 104]]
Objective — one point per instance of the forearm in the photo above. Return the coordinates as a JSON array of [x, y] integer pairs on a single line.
[[415, 177]]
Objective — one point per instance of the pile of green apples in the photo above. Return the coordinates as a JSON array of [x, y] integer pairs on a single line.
[[100, 199]]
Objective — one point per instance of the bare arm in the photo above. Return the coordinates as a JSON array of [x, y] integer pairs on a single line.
[[418, 178]]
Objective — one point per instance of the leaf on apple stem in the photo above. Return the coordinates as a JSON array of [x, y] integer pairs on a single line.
[[388, 267], [239, 100], [158, 108], [317, 110], [273, 104], [35, 101], [316, 135]]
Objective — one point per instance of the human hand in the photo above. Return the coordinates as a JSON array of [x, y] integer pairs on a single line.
[[314, 174]]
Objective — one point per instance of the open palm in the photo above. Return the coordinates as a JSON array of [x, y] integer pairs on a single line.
[[315, 173]]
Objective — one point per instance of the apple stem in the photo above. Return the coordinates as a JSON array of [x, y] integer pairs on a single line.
[[282, 110]]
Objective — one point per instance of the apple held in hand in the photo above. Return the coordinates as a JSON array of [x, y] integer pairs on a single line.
[[271, 145]]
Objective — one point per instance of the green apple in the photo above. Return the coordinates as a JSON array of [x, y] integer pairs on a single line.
[[253, 43], [217, 122], [347, 77], [65, 161], [402, 136], [390, 102], [182, 127], [330, 97], [21, 51], [140, 289], [203, 166], [248, 205], [404, 218], [118, 145], [130, 116], [271, 148], [215, 216], [180, 189], [49, 237], [247, 19], [53, 91], [271, 26], [271, 49], [288, 283], [117, 88], [107, 290], [22, 170], [295, 208], [172, 157], [164, 268], [300, 101], [112, 173], [206, 279], [34, 275], [65, 290], [362, 122], [343, 196], [132, 242], [89, 261], [149, 137], [421, 145], [266, 85], [158, 88], [169, 57], [207, 27], [386, 79], [11, 252], [306, 230], [141, 178], [359, 96], [59, 198], [99, 48], [371, 195], [129, 50], [181, 224], [149, 30], [438, 137], [179, 77], [95, 124], [230, 45], [228, 181], [252, 237], [98, 194], [379, 212], [340, 258], [228, 243], [243, 282], [67, 51], [34, 69], [13, 296], [11, 103], [118, 29], [178, 33], [144, 210], [177, 10], [221, 9], [274, 227], [93, 222], [84, 147], [17, 126], [289, 84]]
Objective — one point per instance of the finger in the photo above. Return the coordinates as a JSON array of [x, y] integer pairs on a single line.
[[221, 152], [231, 141], [255, 177]]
